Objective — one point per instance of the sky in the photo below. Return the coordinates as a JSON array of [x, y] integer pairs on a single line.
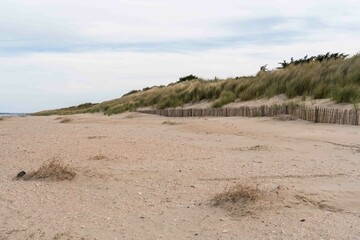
[[62, 53]]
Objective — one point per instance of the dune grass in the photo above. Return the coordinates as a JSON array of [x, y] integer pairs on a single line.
[[336, 79]]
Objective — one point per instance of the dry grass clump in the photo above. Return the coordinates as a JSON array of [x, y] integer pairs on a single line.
[[239, 199], [258, 148], [238, 194], [133, 115], [2, 118], [98, 157], [285, 117], [66, 120], [252, 148], [170, 123], [54, 170], [96, 137]]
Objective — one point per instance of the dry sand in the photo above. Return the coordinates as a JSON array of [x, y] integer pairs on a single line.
[[140, 178]]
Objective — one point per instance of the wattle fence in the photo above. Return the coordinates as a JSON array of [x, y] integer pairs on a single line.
[[316, 114]]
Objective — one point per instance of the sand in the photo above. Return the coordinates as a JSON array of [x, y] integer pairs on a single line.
[[140, 178]]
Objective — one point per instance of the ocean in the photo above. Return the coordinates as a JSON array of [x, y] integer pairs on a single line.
[[13, 114]]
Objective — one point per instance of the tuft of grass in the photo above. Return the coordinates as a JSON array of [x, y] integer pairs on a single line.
[[66, 120], [2, 118], [98, 157], [239, 200], [133, 115], [252, 148], [258, 148], [96, 137], [239, 194], [54, 170], [170, 123]]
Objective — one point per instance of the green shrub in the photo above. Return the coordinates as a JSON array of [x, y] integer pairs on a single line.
[[187, 78]]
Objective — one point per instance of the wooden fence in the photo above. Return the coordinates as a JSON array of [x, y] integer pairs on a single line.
[[317, 115]]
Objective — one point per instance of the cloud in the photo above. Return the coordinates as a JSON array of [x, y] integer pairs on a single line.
[[53, 26]]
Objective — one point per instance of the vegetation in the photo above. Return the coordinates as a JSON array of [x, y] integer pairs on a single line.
[[54, 170], [240, 200], [225, 98], [318, 58], [81, 106], [333, 76], [131, 92], [65, 120], [187, 78], [170, 123], [239, 193]]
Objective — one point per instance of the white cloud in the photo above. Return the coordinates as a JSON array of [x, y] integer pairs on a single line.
[[123, 21]]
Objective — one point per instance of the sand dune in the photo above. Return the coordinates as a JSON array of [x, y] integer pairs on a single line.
[[150, 177]]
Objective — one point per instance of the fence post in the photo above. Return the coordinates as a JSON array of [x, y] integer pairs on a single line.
[[316, 114]]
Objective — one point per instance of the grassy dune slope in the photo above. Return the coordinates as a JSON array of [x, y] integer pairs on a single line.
[[337, 79]]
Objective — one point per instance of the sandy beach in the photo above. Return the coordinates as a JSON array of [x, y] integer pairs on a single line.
[[150, 177]]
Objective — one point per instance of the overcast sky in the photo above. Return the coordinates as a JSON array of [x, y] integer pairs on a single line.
[[60, 53]]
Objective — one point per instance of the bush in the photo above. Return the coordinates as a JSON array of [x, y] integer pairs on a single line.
[[131, 92], [187, 78]]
